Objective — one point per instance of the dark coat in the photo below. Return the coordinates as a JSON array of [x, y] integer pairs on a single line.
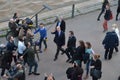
[[80, 51], [62, 25], [71, 42], [97, 64], [107, 15], [59, 40], [110, 40]]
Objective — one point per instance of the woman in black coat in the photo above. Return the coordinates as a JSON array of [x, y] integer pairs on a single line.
[[96, 64], [107, 17]]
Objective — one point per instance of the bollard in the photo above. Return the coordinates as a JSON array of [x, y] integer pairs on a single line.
[[73, 10], [36, 20]]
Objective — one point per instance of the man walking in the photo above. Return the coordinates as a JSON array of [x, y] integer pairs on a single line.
[[110, 42], [59, 39], [43, 36], [71, 45]]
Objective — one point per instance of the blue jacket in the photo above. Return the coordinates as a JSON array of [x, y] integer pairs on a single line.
[[110, 40], [42, 31]]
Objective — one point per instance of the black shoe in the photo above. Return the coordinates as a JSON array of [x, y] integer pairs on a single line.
[[98, 19], [55, 59], [29, 73], [36, 73], [116, 19], [67, 60]]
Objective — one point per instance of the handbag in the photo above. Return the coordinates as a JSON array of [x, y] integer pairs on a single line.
[[111, 15], [96, 73]]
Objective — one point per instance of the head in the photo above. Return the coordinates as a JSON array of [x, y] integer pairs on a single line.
[[58, 28], [11, 38], [81, 43], [96, 56], [21, 38], [41, 25], [27, 44], [114, 26], [88, 45], [71, 33], [15, 14]]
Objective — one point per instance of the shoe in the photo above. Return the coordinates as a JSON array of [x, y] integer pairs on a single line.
[[36, 73], [55, 59], [98, 19], [116, 19], [67, 60], [29, 73]]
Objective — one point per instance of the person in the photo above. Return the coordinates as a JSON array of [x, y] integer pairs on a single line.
[[105, 2], [30, 59], [16, 18], [74, 72], [59, 40], [118, 10], [87, 59], [21, 47], [13, 27], [43, 36], [61, 23], [119, 78], [107, 17], [110, 42], [5, 62], [96, 64], [11, 47], [115, 28], [16, 72], [71, 44], [80, 51], [49, 77]]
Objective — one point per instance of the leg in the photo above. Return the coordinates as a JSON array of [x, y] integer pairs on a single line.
[[45, 43], [40, 44], [30, 69], [105, 26], [68, 55], [116, 48], [15, 59], [106, 53], [3, 71], [110, 53], [36, 66], [57, 53], [102, 11], [93, 78]]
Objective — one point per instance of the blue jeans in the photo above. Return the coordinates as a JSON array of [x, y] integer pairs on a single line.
[[88, 67], [35, 67]]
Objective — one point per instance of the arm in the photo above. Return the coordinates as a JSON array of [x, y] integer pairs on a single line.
[[37, 31]]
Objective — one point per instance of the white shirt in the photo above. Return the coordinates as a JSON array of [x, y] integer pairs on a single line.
[[21, 47]]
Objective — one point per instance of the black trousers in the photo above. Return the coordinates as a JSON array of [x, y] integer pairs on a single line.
[[69, 52], [102, 11], [59, 48], [44, 41], [108, 53]]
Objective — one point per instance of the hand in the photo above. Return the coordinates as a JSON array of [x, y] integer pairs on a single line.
[[21, 57]]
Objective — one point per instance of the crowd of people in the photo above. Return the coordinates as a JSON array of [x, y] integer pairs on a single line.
[[19, 47]]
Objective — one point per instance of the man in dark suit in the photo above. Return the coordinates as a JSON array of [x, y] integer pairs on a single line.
[[61, 23], [59, 39], [71, 45], [110, 42]]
